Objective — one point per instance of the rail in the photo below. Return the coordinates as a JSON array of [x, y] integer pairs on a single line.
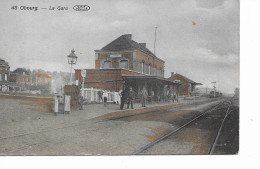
[[176, 130]]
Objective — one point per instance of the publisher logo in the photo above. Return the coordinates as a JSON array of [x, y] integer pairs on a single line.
[[81, 7]]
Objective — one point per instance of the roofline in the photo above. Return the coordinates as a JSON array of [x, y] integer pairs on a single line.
[[151, 55], [190, 81], [104, 51]]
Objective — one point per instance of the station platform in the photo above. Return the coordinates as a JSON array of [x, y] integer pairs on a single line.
[[111, 111]]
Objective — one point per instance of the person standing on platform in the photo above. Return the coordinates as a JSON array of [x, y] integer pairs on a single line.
[[105, 94], [81, 100], [143, 97], [131, 98], [100, 95], [123, 98]]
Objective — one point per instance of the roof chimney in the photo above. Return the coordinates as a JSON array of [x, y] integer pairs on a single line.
[[129, 36], [143, 44], [172, 74]]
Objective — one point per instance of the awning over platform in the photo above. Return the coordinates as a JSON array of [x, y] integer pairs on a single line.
[[150, 79]]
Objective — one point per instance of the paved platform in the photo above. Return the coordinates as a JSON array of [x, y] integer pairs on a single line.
[[94, 111], [28, 128]]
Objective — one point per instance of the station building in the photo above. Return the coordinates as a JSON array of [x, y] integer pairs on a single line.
[[126, 62], [188, 87]]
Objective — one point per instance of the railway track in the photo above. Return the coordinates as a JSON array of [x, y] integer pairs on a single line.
[[222, 106]]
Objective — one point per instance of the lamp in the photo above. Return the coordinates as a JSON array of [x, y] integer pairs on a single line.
[[72, 59]]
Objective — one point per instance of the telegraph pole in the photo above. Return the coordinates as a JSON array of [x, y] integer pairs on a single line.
[[214, 88], [154, 39]]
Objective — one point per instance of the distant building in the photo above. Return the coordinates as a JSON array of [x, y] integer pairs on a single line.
[[41, 79], [20, 75], [188, 86], [4, 76]]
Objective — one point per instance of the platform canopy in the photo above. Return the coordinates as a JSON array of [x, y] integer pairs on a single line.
[[150, 79]]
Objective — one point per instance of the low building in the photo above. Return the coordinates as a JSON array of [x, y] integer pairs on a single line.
[[20, 75], [40, 79], [188, 86], [4, 76]]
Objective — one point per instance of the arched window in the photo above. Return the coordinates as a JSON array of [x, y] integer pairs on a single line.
[[123, 64], [143, 67], [107, 64], [155, 70], [149, 69]]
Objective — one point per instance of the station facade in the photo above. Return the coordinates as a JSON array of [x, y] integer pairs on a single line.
[[126, 63]]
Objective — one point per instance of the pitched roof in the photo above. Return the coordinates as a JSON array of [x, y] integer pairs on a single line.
[[185, 78], [3, 63], [21, 70], [125, 42]]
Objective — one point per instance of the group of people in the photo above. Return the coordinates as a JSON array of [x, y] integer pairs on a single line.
[[127, 96]]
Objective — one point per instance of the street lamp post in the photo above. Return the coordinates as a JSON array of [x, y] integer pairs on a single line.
[[72, 59], [214, 88]]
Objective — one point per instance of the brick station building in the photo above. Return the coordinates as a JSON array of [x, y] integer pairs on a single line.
[[126, 62], [188, 86]]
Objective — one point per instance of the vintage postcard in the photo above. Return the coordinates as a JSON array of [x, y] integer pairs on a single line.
[[119, 77]]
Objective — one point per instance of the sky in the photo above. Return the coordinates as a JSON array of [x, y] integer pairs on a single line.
[[197, 38]]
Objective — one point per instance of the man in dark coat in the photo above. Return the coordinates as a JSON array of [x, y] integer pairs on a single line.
[[123, 99], [100, 95], [131, 97], [81, 100]]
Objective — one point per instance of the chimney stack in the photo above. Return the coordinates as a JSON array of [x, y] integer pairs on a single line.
[[172, 74]]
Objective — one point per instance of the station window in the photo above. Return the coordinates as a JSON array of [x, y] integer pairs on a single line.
[[107, 64], [142, 67], [123, 64]]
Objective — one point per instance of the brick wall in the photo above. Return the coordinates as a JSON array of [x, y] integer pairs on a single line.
[[157, 66], [184, 89], [107, 79], [103, 56]]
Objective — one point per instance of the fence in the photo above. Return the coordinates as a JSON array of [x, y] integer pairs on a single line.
[[91, 95]]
